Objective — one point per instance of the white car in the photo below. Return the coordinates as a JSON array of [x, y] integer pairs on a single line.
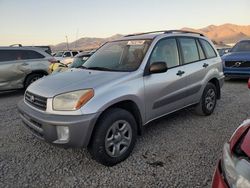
[[65, 57]]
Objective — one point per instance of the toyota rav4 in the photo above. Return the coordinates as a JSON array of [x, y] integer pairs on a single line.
[[125, 85]]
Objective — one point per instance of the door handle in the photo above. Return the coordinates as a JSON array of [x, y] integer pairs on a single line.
[[25, 64], [205, 65], [180, 73]]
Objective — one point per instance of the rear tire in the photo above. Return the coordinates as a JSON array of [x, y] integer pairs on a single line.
[[32, 78], [114, 137], [208, 101]]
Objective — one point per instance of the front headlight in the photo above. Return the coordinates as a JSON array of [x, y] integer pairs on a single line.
[[232, 172], [228, 166], [72, 100]]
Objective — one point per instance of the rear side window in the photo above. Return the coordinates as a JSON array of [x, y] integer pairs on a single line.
[[29, 54], [74, 53], [210, 53], [8, 55], [201, 52], [67, 54], [13, 55], [189, 50]]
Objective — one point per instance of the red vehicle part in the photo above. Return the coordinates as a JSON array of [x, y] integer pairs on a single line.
[[218, 179]]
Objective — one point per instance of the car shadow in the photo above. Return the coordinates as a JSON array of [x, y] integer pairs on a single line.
[[11, 93], [236, 80]]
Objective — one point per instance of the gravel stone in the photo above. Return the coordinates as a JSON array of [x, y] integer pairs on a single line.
[[179, 150]]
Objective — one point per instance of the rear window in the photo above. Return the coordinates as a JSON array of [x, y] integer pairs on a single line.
[[189, 50], [209, 50], [13, 55]]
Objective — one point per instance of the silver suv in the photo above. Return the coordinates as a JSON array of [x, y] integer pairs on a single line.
[[125, 85], [20, 66]]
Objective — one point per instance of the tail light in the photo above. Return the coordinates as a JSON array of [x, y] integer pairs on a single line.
[[248, 83]]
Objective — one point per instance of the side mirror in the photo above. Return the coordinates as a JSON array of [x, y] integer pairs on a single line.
[[158, 67]]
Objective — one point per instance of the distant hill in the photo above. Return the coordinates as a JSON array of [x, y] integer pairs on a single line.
[[226, 33], [84, 43]]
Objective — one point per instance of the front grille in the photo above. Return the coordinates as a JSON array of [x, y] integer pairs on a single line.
[[237, 64], [36, 100]]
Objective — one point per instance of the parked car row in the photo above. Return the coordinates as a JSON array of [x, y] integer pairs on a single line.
[[103, 99], [77, 62], [65, 57]]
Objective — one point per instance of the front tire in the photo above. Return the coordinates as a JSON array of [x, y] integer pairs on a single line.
[[208, 100], [32, 78], [114, 137]]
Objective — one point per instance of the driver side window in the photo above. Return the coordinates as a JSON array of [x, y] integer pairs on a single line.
[[166, 51]]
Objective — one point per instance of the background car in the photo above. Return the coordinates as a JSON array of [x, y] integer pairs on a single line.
[[236, 64], [223, 51], [65, 57], [233, 170], [20, 66], [47, 49], [78, 61]]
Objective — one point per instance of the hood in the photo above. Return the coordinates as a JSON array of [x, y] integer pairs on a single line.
[[73, 79], [236, 56]]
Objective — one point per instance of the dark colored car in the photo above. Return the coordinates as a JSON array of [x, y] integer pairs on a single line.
[[223, 51], [236, 64], [233, 170]]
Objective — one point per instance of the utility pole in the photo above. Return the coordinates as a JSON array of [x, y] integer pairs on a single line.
[[67, 42], [77, 31]]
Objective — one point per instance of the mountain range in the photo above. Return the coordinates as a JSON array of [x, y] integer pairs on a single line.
[[221, 34]]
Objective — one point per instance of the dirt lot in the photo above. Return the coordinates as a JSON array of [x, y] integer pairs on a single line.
[[180, 150]]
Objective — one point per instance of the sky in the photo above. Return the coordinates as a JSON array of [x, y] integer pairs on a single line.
[[46, 22]]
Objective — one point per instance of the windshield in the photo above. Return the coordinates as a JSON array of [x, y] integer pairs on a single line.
[[119, 56], [58, 54], [79, 61], [243, 46]]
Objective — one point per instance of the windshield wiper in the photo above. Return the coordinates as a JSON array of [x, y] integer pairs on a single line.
[[82, 67], [99, 68]]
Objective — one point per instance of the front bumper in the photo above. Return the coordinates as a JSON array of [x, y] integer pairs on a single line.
[[44, 126], [218, 178], [236, 72], [234, 170]]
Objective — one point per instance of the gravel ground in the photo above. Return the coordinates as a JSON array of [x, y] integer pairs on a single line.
[[180, 150]]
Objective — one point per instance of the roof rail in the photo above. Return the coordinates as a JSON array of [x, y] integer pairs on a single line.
[[165, 32], [184, 31], [13, 45]]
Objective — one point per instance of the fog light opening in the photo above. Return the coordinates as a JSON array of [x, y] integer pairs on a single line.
[[62, 133]]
